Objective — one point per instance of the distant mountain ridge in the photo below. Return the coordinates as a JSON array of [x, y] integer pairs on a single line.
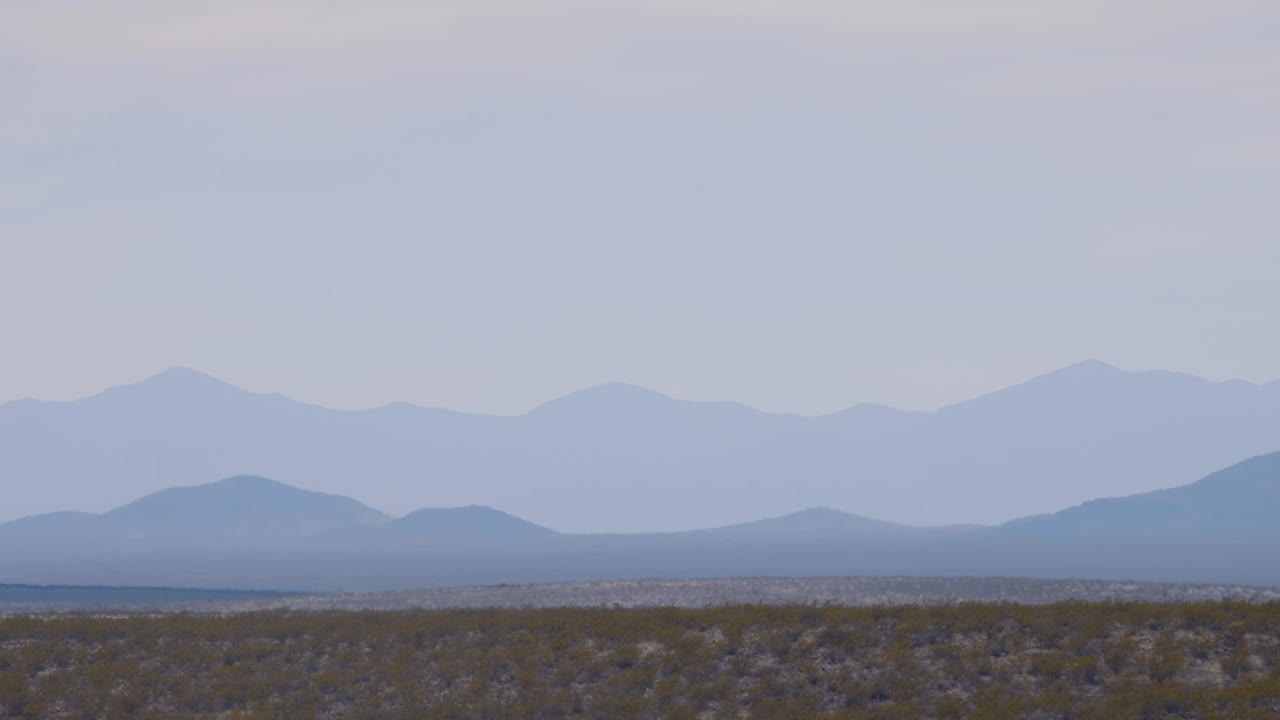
[[1236, 502], [622, 458], [253, 532], [251, 508]]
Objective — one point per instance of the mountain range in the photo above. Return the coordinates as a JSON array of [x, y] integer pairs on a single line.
[[259, 533], [622, 458]]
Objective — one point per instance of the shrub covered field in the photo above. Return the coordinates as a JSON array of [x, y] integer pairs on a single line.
[[1069, 660]]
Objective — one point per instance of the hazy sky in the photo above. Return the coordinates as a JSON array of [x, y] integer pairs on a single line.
[[482, 204]]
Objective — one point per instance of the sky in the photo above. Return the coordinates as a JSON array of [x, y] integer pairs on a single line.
[[485, 204]]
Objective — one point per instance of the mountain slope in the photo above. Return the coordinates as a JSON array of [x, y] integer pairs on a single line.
[[1240, 501], [51, 526]]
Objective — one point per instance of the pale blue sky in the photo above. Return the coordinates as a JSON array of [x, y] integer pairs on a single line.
[[797, 204]]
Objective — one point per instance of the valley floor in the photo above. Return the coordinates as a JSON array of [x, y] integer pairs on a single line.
[[702, 593], [685, 593], [1067, 660]]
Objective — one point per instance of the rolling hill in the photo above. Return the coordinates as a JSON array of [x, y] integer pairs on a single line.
[[236, 509], [816, 522], [254, 533], [473, 523]]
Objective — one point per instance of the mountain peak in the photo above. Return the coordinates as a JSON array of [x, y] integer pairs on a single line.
[[1089, 385], [182, 376], [1085, 371], [1091, 365], [175, 382], [609, 396], [250, 483], [470, 520], [822, 520], [1098, 371], [815, 516], [821, 511]]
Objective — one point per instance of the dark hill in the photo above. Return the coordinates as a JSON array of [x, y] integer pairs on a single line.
[[1240, 501], [815, 521], [252, 532], [238, 508], [243, 506], [469, 520]]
